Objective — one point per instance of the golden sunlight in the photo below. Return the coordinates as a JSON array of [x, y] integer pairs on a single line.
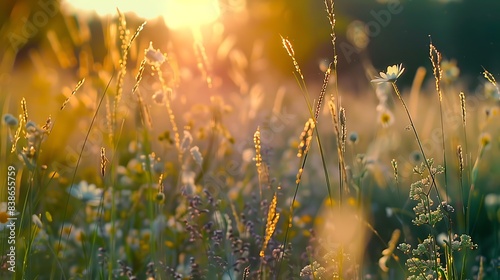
[[176, 13]]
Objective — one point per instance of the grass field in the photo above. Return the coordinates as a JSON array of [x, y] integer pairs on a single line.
[[129, 155]]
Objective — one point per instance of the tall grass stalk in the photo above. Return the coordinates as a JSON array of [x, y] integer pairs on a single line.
[[305, 93], [435, 58], [303, 159], [438, 74], [396, 90], [419, 142], [330, 11], [465, 160], [302, 85], [73, 178]]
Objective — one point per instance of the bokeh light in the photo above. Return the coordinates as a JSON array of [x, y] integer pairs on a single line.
[[176, 13]]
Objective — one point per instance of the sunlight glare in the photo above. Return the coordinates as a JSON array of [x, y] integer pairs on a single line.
[[176, 13]]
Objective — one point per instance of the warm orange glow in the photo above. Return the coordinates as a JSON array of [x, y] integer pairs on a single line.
[[190, 13], [176, 13]]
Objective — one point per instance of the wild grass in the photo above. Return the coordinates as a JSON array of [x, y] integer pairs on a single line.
[[244, 193]]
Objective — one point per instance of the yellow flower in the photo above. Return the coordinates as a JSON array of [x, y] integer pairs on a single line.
[[385, 116], [485, 139]]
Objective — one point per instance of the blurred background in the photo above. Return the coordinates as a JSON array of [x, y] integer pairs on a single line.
[[383, 32]]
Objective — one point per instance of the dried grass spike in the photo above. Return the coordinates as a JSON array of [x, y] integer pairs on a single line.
[[436, 66], [299, 176], [394, 164], [289, 49], [330, 10], [288, 46], [25, 110], [46, 126], [272, 219], [343, 128], [77, 87], [490, 79], [139, 29], [138, 77], [460, 159], [258, 156], [17, 136], [323, 91], [462, 107], [124, 39], [305, 138], [104, 161]]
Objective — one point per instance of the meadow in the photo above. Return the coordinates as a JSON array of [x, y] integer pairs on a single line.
[[126, 154]]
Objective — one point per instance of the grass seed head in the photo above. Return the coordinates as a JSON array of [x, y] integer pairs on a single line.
[[272, 219], [305, 138], [462, 107], [258, 155], [460, 159], [435, 57]]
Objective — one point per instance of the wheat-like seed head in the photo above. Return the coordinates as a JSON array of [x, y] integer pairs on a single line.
[[343, 128], [299, 176], [289, 49], [25, 110], [256, 141], [460, 159], [104, 161], [462, 107], [305, 138], [323, 91], [330, 10], [46, 126], [77, 87], [139, 29], [272, 219], [138, 77], [124, 34], [436, 66], [288, 46], [394, 164], [17, 136], [490, 79]]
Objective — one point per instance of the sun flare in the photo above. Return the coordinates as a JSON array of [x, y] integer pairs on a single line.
[[176, 13]]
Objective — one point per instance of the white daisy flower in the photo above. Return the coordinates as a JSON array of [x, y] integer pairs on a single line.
[[391, 75], [88, 194], [5, 214]]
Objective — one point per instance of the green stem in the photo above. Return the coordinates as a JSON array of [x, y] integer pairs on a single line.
[[417, 138]]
